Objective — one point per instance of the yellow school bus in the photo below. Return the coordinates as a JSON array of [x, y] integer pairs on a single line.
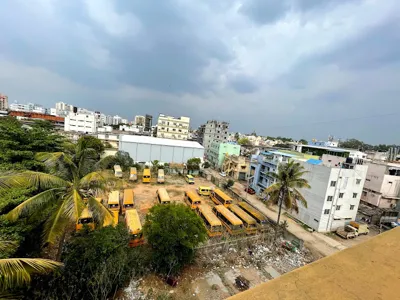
[[262, 221], [133, 174], [162, 196], [211, 222], [219, 197], [160, 176], [192, 199], [127, 202], [189, 179], [134, 226], [86, 218], [113, 201], [204, 190], [146, 176], [231, 222], [249, 223]]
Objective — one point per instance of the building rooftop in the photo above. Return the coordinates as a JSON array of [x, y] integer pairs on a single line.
[[281, 153], [369, 270], [158, 141], [333, 149]]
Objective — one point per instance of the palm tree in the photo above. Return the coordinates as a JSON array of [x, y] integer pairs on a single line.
[[285, 191], [67, 191], [15, 272]]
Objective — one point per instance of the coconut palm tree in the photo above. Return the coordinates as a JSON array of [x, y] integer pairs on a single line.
[[15, 272], [67, 191], [285, 191]]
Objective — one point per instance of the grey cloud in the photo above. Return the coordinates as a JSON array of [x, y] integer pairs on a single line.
[[243, 84], [265, 11]]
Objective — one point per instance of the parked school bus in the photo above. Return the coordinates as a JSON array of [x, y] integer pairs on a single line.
[[85, 219], [231, 222], [262, 221], [133, 174], [127, 201], [117, 171], [113, 201], [192, 199], [219, 197], [204, 190], [162, 196], [249, 223], [146, 176], [189, 179], [134, 226], [212, 223], [115, 217], [160, 176]]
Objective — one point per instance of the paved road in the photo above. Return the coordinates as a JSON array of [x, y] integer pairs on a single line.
[[318, 242]]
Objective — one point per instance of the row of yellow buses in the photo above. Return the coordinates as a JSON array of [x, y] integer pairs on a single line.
[[219, 197]]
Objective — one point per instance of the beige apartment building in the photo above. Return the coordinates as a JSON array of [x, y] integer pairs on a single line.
[[173, 128], [236, 166]]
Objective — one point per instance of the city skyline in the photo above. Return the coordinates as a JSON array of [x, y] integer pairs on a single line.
[[281, 68]]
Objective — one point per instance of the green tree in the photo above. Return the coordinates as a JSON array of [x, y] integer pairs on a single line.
[[244, 141], [206, 165], [155, 166], [65, 193], [354, 144], [303, 142], [173, 231], [229, 183], [193, 164], [124, 160], [15, 272], [91, 142], [285, 191]]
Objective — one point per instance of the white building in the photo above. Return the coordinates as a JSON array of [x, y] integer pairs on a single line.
[[53, 112], [124, 121], [145, 149], [173, 128], [109, 120], [116, 120], [213, 131], [382, 186], [132, 128], [30, 107], [109, 138], [334, 196], [105, 129], [140, 120], [63, 109], [78, 122]]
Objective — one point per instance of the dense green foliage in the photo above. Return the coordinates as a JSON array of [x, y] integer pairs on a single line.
[[193, 164], [173, 231], [360, 145], [19, 144], [91, 142], [121, 158], [303, 142], [244, 141], [97, 263]]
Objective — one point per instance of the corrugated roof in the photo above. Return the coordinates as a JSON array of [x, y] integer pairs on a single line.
[[314, 161], [158, 141]]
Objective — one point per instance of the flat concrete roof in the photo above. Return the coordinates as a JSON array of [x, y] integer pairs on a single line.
[[126, 138], [370, 270]]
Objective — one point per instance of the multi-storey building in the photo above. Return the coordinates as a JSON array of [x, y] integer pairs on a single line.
[[140, 120], [63, 109], [80, 122], [30, 107], [217, 151], [148, 123], [173, 128], [336, 187], [236, 166], [212, 130], [382, 186], [116, 120], [109, 120], [3, 102]]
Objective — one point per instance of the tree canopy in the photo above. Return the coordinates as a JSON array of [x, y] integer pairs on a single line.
[[360, 145], [244, 141], [173, 231], [193, 163]]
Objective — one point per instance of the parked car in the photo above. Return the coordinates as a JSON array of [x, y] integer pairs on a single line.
[[347, 232], [223, 174], [250, 190]]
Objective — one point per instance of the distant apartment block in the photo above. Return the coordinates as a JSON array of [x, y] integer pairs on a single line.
[[140, 120], [116, 120], [148, 123], [124, 121], [3, 102], [63, 109], [29, 107], [217, 151], [173, 128], [382, 185], [80, 122], [212, 130], [236, 166]]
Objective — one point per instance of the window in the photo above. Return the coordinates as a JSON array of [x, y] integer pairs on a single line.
[[364, 193], [330, 198], [352, 207], [354, 195], [338, 207], [316, 220], [358, 181], [327, 211], [333, 183], [341, 195]]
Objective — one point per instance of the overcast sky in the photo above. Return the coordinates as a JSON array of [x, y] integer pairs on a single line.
[[299, 68]]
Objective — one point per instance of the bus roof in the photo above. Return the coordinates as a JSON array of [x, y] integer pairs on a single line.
[[113, 198], [133, 170], [146, 171], [128, 196], [117, 168], [222, 194], [229, 215], [189, 176], [162, 192], [193, 195], [205, 187], [254, 212], [85, 214], [160, 171], [133, 221], [115, 216], [207, 212], [242, 214]]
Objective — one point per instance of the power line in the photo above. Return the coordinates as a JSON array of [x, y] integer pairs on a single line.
[[334, 121]]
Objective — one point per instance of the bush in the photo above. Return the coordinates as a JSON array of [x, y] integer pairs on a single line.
[[173, 231]]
